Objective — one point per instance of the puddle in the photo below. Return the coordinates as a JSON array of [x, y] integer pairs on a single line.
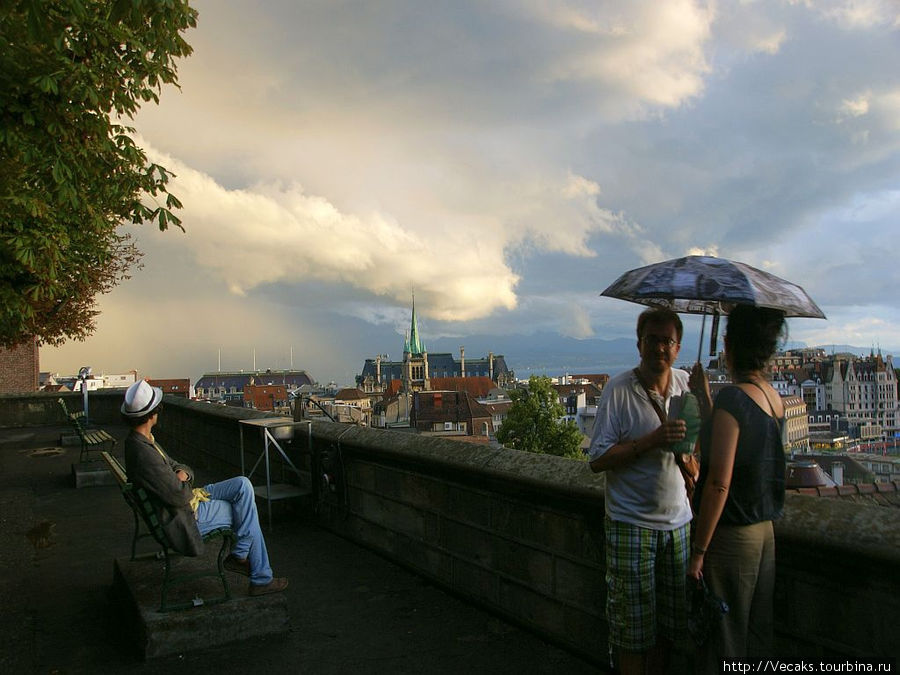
[[41, 535]]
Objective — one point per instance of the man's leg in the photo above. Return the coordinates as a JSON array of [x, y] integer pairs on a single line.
[[673, 552], [630, 594], [237, 493]]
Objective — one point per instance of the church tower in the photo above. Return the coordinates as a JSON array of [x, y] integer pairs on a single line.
[[415, 357]]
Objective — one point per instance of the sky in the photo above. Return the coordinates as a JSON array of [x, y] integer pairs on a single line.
[[505, 161]]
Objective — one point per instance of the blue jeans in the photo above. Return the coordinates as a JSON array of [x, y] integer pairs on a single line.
[[233, 504]]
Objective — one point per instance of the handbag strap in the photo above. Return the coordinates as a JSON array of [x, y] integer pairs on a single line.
[[679, 460], [659, 411]]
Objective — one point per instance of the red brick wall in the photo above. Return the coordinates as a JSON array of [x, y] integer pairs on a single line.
[[19, 368]]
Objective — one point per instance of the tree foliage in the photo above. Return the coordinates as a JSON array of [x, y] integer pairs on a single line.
[[71, 72], [534, 422]]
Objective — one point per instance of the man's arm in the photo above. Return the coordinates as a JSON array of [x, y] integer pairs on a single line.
[[624, 453], [156, 475]]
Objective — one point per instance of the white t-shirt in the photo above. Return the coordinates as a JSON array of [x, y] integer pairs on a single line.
[[649, 491]]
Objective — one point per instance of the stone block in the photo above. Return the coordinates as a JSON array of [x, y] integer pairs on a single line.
[[467, 542], [91, 474], [582, 586], [469, 506], [557, 532], [527, 565], [475, 581], [416, 490], [532, 608], [391, 515], [154, 634]]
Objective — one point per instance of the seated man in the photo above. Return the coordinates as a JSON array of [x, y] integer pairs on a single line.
[[187, 513]]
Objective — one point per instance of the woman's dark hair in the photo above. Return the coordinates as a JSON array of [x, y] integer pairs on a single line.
[[753, 334]]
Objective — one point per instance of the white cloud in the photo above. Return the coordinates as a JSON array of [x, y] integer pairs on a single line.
[[638, 54], [855, 107], [856, 14]]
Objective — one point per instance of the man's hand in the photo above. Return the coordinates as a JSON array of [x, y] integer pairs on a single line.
[[182, 476], [668, 433]]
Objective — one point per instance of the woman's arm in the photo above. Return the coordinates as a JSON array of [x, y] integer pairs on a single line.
[[725, 432]]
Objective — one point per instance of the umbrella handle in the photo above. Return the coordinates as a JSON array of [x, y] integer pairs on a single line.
[[700, 347]]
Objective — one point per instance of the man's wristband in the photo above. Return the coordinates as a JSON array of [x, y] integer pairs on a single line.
[[696, 549]]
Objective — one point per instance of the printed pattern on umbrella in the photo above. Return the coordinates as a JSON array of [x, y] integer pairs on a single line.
[[708, 285]]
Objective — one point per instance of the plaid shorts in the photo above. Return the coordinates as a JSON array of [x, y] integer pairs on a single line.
[[645, 584]]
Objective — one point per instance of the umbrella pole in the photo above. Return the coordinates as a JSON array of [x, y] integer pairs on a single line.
[[700, 348]]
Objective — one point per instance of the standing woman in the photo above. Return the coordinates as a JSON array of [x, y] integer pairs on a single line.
[[741, 490]]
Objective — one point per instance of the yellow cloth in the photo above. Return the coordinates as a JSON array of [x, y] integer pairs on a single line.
[[200, 495]]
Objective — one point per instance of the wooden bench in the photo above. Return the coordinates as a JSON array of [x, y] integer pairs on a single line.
[[145, 512], [91, 439]]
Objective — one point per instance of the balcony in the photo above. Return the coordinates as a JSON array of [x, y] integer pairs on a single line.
[[430, 555]]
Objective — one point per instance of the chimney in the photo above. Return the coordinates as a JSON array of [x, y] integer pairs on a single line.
[[462, 361]]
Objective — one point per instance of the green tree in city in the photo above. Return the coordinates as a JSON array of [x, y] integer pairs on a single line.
[[72, 73], [534, 422]]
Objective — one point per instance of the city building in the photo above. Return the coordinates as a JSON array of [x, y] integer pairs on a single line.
[[865, 390], [450, 413], [180, 387], [268, 397], [418, 367], [228, 387]]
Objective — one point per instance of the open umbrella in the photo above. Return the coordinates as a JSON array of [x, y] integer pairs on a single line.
[[706, 285]]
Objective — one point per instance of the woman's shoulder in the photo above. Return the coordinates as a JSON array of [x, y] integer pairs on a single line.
[[746, 397]]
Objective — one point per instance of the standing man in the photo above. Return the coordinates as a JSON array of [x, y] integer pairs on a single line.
[[187, 513], [647, 510]]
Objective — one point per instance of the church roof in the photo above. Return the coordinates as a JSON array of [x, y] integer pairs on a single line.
[[414, 344]]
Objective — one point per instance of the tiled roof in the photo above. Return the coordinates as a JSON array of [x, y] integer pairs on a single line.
[[878, 494], [478, 386]]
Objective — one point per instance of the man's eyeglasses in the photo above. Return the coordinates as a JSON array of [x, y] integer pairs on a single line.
[[655, 341]]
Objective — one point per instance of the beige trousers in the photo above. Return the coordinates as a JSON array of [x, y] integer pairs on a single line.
[[739, 567]]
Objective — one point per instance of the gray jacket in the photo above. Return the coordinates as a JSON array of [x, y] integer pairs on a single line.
[[149, 467]]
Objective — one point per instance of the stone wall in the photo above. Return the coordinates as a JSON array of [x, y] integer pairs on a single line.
[[522, 534]]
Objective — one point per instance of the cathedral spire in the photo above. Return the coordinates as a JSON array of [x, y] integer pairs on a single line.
[[416, 346]]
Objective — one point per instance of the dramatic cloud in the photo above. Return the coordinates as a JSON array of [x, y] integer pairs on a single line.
[[505, 161]]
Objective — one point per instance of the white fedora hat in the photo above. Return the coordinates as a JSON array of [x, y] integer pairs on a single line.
[[141, 399]]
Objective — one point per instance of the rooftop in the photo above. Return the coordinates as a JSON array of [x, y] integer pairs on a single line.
[[423, 555], [351, 610]]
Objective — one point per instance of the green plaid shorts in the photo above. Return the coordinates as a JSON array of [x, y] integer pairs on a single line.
[[646, 590]]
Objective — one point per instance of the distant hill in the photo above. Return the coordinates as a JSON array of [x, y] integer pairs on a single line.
[[546, 353]]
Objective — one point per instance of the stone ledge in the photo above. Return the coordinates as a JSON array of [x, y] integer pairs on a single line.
[[91, 474], [154, 634]]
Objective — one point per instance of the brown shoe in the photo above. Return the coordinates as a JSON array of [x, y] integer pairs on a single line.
[[234, 564], [277, 585]]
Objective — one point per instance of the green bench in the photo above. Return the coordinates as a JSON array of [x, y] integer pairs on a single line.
[[144, 512], [91, 439]]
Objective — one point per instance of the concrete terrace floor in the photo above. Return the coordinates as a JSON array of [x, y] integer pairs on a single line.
[[351, 610]]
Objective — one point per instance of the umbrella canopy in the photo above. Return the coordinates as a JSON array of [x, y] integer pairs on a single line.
[[706, 285]]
